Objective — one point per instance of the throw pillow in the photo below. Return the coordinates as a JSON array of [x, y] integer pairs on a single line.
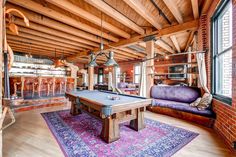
[[205, 102], [196, 102]]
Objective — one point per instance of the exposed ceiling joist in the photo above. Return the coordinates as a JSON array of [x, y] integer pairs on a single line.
[[26, 40], [52, 37], [39, 19], [206, 6], [164, 45], [66, 5], [54, 32], [143, 44], [144, 12], [190, 39], [36, 7], [174, 10], [133, 52], [195, 9], [37, 49], [125, 53], [42, 39], [36, 52], [175, 42], [110, 11], [28, 45]]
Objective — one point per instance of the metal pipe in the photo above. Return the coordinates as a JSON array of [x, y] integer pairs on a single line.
[[161, 12]]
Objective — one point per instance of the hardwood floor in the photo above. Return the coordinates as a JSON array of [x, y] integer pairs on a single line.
[[30, 137]]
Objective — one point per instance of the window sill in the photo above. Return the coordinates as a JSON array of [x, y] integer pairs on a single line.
[[223, 99]]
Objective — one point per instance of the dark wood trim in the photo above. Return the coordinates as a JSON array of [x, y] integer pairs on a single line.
[[201, 120]]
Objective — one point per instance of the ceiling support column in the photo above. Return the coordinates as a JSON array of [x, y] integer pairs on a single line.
[[90, 78], [149, 66]]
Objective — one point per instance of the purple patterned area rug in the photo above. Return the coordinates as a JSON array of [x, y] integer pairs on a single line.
[[79, 136]]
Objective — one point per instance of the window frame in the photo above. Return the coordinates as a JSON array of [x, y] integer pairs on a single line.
[[215, 54], [100, 73], [118, 73], [137, 74]]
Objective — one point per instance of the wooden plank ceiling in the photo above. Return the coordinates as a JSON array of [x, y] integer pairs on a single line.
[[72, 28]]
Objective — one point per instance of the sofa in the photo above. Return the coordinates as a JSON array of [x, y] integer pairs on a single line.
[[175, 101], [128, 88]]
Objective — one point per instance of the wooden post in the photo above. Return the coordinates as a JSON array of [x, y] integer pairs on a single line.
[[22, 86], [150, 66], [90, 78], [1, 50]]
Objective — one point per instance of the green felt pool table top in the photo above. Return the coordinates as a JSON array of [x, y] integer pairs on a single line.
[[103, 97]]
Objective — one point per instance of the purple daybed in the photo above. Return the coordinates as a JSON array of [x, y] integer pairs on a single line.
[[175, 100], [123, 86]]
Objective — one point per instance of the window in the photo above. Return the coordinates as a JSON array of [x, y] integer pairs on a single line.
[[137, 72], [222, 51], [100, 75], [118, 74]]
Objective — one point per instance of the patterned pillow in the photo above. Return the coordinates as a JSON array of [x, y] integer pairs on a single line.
[[196, 102], [205, 102]]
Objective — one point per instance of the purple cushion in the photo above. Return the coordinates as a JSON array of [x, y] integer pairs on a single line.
[[181, 107], [128, 89], [122, 85], [175, 93]]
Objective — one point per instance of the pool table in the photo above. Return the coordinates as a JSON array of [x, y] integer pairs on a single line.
[[111, 108]]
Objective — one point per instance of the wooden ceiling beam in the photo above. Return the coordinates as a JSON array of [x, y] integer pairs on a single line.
[[172, 30], [175, 42], [46, 53], [66, 5], [137, 6], [39, 19], [165, 46], [126, 54], [52, 37], [37, 49], [23, 50], [206, 6], [28, 45], [26, 40], [41, 28], [195, 9], [42, 39], [110, 11], [36, 7], [190, 39], [143, 44], [132, 52], [174, 10]]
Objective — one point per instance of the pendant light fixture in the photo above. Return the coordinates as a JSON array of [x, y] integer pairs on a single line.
[[110, 58]]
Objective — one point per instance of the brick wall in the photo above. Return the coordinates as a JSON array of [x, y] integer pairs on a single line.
[[225, 123]]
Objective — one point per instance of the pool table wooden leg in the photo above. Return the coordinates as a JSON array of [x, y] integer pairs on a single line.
[[74, 110], [110, 129], [138, 123]]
